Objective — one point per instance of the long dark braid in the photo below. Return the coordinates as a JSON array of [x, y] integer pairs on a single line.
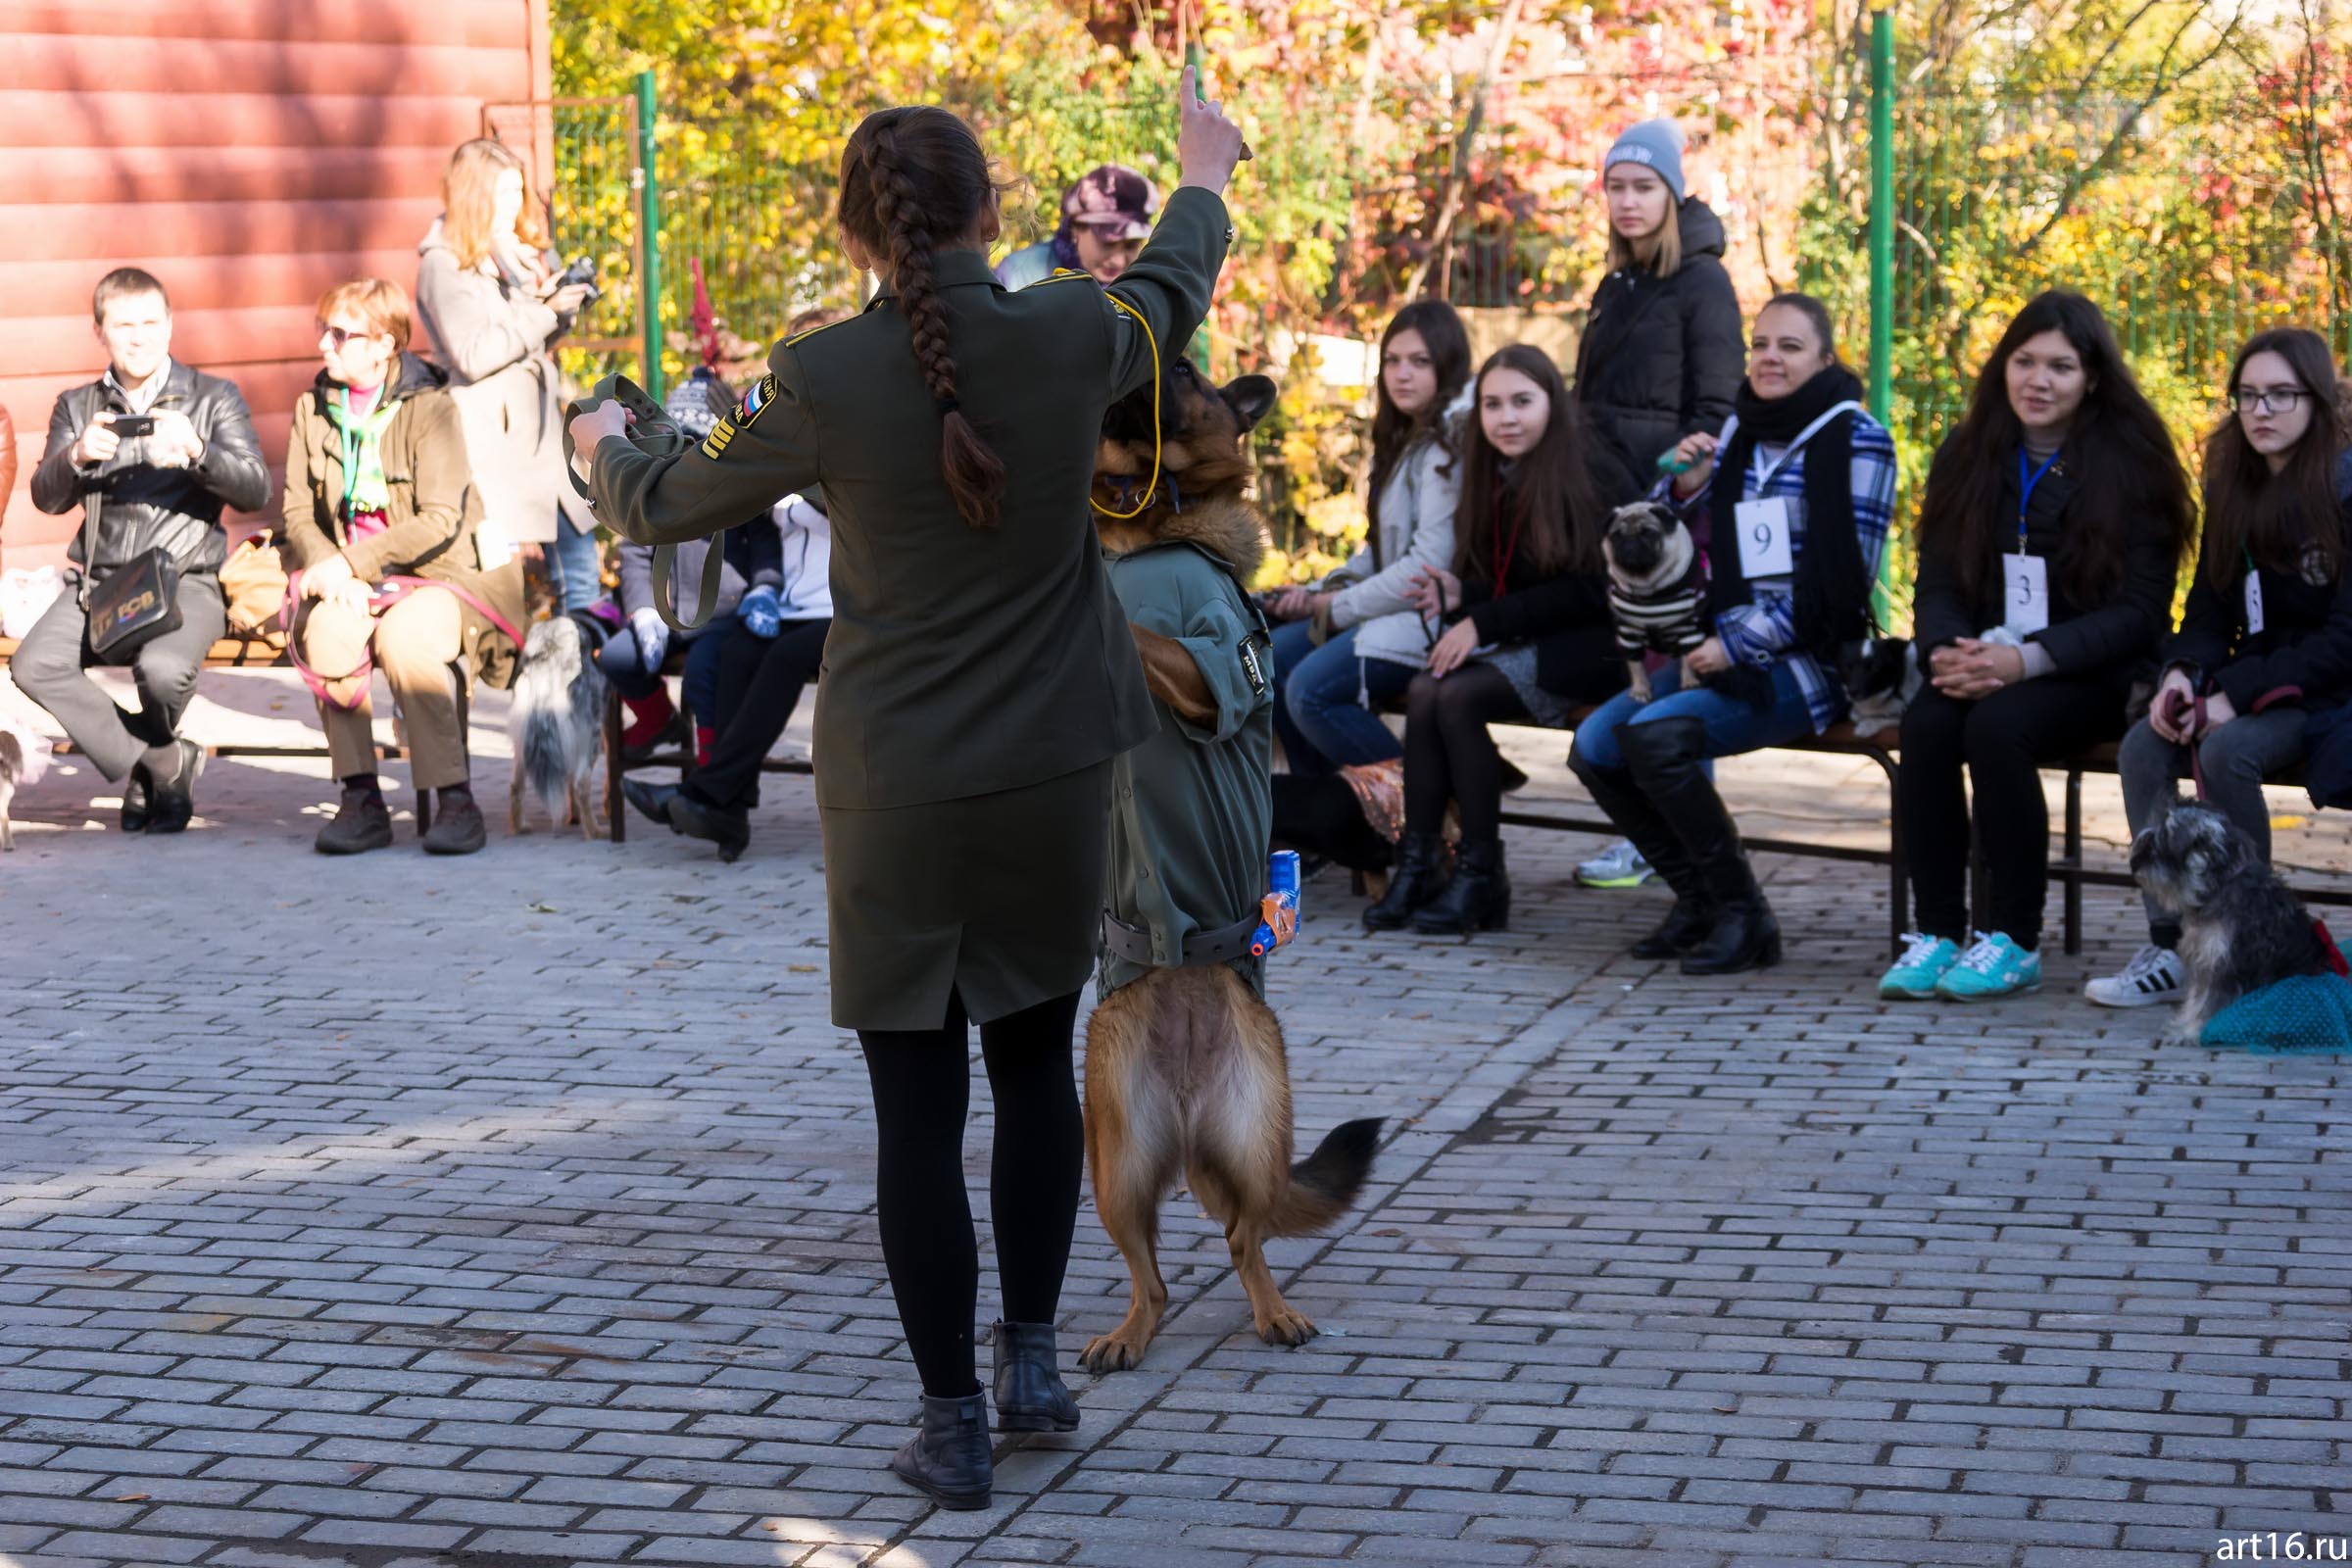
[[910, 179]]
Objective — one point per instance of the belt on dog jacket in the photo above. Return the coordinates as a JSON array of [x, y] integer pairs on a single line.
[[1201, 948]]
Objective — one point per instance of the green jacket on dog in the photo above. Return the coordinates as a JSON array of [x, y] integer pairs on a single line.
[[1192, 808]]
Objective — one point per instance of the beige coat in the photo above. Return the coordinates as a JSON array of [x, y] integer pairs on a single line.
[[493, 338], [433, 514]]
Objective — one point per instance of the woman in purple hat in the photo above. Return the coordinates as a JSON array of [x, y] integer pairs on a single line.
[[1104, 220]]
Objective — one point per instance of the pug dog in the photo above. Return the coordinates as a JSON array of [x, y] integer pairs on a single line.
[[1657, 587]]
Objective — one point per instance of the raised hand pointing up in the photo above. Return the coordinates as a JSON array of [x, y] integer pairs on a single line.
[[1208, 144]]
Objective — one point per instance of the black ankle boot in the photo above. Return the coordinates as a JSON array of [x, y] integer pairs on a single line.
[[1419, 877], [1666, 759], [1685, 925], [1478, 899], [1030, 1394], [948, 1456]]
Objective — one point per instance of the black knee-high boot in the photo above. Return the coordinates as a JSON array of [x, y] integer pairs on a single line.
[[1666, 761], [1692, 917]]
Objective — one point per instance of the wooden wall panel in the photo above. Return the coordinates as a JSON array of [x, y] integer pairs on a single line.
[[250, 153]]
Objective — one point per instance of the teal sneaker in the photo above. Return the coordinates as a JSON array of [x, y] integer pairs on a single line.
[[1924, 961], [1994, 967]]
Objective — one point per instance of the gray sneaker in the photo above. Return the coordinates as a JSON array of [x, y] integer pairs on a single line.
[[2154, 975], [1620, 866]]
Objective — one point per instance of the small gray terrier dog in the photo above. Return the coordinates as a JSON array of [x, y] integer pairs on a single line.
[[556, 720], [2240, 928]]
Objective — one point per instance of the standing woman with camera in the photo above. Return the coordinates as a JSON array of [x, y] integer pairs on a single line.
[[979, 679], [1662, 351], [488, 292]]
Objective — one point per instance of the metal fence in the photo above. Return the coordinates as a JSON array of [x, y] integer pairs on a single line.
[[2193, 215]]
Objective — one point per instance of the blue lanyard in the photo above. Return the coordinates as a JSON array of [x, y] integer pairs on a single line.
[[2027, 476]]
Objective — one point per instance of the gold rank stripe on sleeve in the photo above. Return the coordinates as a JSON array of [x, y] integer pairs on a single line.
[[717, 441], [798, 338]]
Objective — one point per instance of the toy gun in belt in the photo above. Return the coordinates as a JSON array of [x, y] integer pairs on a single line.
[[1278, 910]]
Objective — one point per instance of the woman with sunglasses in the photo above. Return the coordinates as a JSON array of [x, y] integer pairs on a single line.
[[377, 487], [2267, 633]]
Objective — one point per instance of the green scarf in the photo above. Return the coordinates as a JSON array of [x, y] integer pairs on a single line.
[[363, 437]]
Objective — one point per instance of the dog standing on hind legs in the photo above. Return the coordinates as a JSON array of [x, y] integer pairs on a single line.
[[1186, 1075]]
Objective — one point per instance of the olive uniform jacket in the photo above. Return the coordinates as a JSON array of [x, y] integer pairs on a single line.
[[433, 517], [960, 662]]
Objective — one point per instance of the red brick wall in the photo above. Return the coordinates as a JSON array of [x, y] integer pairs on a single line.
[[250, 153]]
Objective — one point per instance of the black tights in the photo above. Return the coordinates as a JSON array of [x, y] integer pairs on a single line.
[[923, 1086], [1448, 756]]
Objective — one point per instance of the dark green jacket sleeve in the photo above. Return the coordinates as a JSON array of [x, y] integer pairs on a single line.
[[756, 456], [1170, 283]]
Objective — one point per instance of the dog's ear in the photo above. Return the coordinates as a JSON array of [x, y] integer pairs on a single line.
[[1250, 396]]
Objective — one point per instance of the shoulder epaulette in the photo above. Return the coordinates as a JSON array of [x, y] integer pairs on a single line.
[[798, 338]]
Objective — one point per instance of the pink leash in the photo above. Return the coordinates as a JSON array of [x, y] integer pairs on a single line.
[[391, 591]]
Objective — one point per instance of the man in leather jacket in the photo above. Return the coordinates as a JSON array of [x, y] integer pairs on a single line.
[[164, 489]]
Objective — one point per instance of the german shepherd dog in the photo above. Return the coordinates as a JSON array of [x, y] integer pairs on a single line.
[[1186, 1074]]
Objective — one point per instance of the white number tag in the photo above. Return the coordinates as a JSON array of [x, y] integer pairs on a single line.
[[1764, 550], [2027, 586], [2253, 602]]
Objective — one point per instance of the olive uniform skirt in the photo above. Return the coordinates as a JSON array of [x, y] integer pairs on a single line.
[[996, 897]]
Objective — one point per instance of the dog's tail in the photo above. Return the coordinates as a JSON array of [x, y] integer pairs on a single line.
[[1325, 1184], [543, 765]]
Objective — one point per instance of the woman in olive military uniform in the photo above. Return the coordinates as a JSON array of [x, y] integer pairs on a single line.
[[979, 678]]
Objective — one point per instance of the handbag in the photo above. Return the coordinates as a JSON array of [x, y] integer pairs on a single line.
[[137, 602], [254, 582]]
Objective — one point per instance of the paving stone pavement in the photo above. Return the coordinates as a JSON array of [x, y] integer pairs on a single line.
[[515, 1212]]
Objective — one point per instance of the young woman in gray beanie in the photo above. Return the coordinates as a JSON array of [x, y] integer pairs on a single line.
[[1664, 346]]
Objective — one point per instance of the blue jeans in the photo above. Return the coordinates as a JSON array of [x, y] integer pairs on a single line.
[[573, 565], [1733, 726], [1319, 695]]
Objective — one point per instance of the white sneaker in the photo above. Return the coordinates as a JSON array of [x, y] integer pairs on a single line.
[[2153, 975], [1620, 866]]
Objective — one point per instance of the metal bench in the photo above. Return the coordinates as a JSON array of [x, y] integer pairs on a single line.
[[268, 652], [2067, 868]]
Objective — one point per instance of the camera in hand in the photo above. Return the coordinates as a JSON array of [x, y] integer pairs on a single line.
[[581, 271], [128, 425]]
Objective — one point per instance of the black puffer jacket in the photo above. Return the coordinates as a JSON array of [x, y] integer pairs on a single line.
[[2302, 654], [138, 506], [2116, 636], [1662, 358]]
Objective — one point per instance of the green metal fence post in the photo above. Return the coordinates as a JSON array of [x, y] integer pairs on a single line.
[[1882, 208], [1882, 256], [649, 235]]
